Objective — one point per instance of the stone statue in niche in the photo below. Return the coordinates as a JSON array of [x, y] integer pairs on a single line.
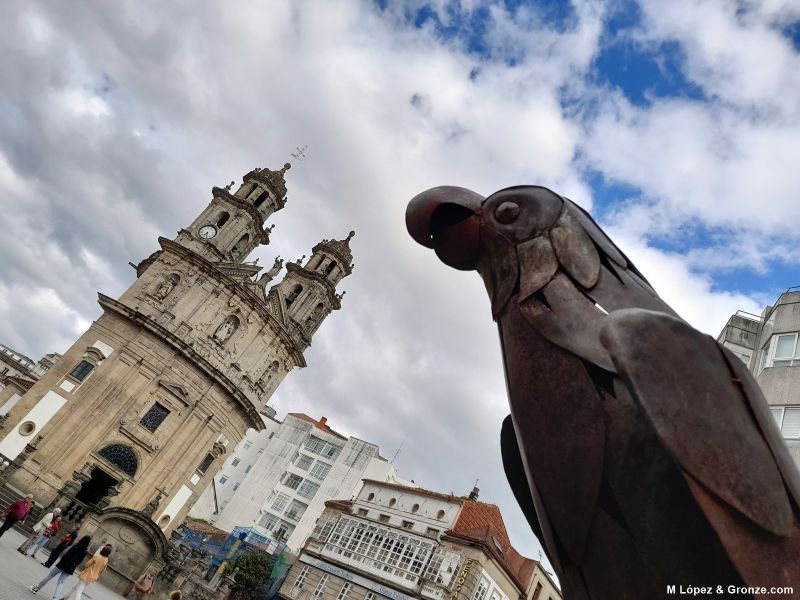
[[166, 286], [226, 329], [270, 372]]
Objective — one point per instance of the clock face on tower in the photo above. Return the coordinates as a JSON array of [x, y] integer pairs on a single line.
[[206, 232]]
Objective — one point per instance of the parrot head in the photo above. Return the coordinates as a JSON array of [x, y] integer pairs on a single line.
[[492, 235]]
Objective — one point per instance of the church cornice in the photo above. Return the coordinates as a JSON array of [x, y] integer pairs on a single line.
[[173, 340], [258, 218], [321, 279], [252, 300]]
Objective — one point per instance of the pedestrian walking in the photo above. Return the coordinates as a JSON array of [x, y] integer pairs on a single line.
[[65, 567], [144, 586], [65, 543], [18, 511], [43, 524], [91, 572], [45, 536]]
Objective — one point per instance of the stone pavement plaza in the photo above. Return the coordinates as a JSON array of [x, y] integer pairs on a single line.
[[17, 572]]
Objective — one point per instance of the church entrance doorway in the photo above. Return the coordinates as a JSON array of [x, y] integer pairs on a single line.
[[97, 487]]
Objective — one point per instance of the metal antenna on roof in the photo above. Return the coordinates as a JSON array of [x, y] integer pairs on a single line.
[[400, 447]]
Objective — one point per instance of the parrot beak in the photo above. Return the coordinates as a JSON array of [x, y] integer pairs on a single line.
[[446, 219]]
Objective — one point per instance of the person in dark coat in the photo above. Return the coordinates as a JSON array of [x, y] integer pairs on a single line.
[[65, 567], [65, 543], [18, 511]]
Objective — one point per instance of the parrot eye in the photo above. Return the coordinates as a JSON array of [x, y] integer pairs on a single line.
[[507, 212]]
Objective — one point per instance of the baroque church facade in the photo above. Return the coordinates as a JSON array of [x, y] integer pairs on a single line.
[[129, 427]]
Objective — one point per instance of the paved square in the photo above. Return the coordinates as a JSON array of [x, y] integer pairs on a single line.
[[18, 572]]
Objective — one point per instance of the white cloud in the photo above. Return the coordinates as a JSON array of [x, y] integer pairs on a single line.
[[160, 113]]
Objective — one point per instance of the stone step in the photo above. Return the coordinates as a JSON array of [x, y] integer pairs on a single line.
[[7, 496]]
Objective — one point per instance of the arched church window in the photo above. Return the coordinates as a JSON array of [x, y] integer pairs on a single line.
[[331, 266], [261, 198], [122, 457], [223, 218], [294, 294], [240, 245], [227, 328]]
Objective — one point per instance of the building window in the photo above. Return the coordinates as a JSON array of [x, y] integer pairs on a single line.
[[154, 417], [440, 515], [236, 487], [371, 497], [383, 518], [432, 532], [782, 350], [81, 371], [303, 462], [362, 512], [293, 481], [320, 589], [247, 445], [788, 420], [537, 592], [222, 480], [480, 591], [235, 462], [392, 502], [370, 596], [407, 525], [268, 522], [247, 470], [280, 502], [320, 470], [324, 527], [301, 579], [322, 448], [223, 218], [415, 508], [344, 591], [381, 549], [307, 489], [203, 466], [122, 457]]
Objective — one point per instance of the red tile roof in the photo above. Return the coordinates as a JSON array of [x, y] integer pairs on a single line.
[[483, 524], [25, 384], [207, 530], [321, 424]]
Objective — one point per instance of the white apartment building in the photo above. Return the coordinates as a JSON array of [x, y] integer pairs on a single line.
[[406, 543], [279, 483], [235, 469]]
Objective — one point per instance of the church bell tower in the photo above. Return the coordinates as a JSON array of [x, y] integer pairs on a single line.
[[138, 414]]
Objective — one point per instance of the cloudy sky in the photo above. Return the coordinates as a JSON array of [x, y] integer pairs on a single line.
[[677, 123]]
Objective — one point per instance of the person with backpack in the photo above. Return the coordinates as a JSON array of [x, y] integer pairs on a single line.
[[18, 511], [65, 543], [65, 567]]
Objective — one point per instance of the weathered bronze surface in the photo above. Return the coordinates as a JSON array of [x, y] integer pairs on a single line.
[[642, 452]]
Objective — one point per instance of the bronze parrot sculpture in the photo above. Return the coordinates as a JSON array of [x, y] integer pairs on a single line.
[[642, 452]]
